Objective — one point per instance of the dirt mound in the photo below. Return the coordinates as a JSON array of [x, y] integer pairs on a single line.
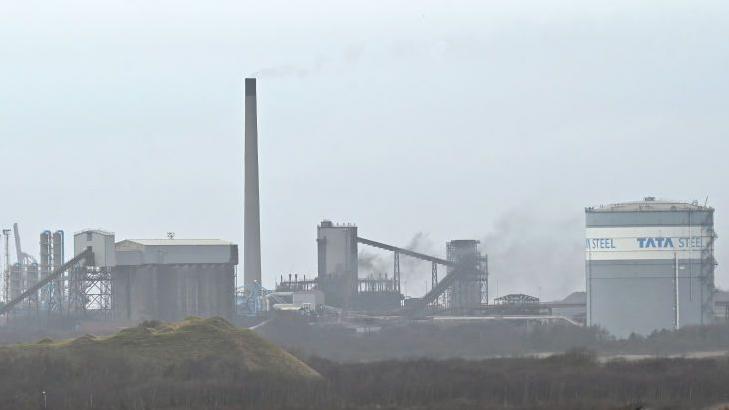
[[197, 363], [163, 346]]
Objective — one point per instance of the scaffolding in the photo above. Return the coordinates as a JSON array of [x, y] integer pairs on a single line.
[[462, 289], [53, 287], [249, 300], [90, 291], [376, 283], [469, 289]]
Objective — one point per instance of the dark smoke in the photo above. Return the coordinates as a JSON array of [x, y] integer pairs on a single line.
[[415, 274], [370, 263], [540, 255], [535, 254]]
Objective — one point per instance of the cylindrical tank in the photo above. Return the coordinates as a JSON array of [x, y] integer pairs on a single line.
[[45, 252], [57, 287], [45, 263], [58, 249], [649, 265]]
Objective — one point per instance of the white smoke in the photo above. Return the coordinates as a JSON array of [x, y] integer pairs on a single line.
[[351, 55]]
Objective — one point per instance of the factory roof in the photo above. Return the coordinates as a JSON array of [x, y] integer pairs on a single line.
[[178, 242], [98, 231], [650, 204], [516, 299], [174, 251], [575, 297], [326, 223]]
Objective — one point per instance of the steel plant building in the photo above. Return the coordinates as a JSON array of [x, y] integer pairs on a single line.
[[170, 279], [649, 265]]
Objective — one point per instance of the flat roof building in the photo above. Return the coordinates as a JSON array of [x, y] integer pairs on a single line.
[[170, 279]]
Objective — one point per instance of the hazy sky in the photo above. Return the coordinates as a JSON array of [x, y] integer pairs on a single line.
[[455, 119]]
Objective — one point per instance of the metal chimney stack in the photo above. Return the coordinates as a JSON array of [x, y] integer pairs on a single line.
[[251, 210]]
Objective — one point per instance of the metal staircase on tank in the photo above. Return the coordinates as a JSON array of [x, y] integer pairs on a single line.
[[708, 265]]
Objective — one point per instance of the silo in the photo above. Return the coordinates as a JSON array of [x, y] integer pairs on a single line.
[[46, 267], [58, 249], [45, 253], [649, 265]]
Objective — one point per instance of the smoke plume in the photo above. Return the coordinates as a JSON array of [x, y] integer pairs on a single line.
[[370, 263], [414, 273], [541, 255], [349, 56]]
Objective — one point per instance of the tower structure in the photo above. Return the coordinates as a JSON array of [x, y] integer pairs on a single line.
[[251, 210]]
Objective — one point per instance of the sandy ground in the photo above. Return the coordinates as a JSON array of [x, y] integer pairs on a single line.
[[690, 355], [604, 358]]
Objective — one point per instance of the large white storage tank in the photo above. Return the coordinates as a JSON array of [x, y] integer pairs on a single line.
[[649, 265]]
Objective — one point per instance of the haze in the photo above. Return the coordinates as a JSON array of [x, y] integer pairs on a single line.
[[490, 120]]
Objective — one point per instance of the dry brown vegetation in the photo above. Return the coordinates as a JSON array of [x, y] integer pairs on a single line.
[[574, 380], [482, 340], [209, 364]]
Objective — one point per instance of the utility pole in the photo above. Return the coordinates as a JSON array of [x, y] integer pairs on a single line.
[[676, 308], [6, 272]]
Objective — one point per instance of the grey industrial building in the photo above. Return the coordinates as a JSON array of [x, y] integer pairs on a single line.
[[337, 261], [463, 287], [649, 265], [170, 279]]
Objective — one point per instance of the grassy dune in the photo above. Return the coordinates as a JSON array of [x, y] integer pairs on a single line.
[[159, 362], [160, 345]]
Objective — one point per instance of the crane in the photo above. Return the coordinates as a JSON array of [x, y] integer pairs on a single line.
[[23, 258]]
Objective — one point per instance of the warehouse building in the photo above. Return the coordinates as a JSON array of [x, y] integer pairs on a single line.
[[170, 279]]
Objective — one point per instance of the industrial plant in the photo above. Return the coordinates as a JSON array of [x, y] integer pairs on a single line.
[[649, 265]]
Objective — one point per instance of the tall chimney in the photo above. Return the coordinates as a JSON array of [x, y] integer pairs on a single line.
[[251, 209]]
